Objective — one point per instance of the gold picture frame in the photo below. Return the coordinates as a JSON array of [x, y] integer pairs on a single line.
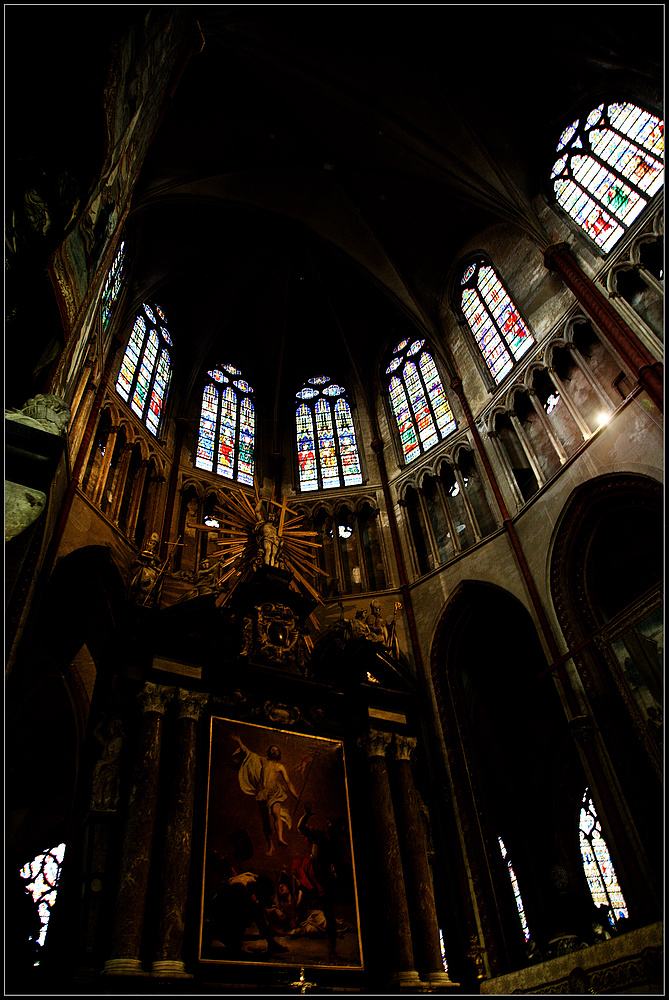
[[278, 876]]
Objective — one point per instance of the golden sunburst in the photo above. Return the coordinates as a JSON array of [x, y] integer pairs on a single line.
[[268, 533]]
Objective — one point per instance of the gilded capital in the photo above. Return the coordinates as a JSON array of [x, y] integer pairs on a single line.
[[374, 743], [403, 747], [154, 697], [190, 704]]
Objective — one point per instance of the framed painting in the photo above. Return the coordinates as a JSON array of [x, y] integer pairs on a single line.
[[278, 882]]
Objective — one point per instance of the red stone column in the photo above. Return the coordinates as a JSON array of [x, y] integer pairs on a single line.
[[138, 840], [178, 840], [419, 886], [622, 338], [393, 909]]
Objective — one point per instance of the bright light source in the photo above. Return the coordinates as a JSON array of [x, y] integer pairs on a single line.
[[603, 419]]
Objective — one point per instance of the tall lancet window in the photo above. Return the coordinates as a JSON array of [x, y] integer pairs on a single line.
[[327, 449], [502, 336], [144, 378], [418, 399], [112, 289], [599, 871], [609, 167], [225, 443]]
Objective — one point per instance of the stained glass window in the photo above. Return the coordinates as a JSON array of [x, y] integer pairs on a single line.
[[226, 438], [597, 864], [112, 289], [502, 336], [144, 378], [417, 399], [41, 877], [327, 450], [516, 889], [609, 167]]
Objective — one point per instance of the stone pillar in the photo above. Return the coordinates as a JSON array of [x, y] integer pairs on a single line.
[[460, 480], [393, 900], [136, 498], [566, 398], [589, 376], [624, 341], [429, 531], [546, 424], [138, 840], [119, 485], [178, 840], [419, 887], [110, 445], [527, 448]]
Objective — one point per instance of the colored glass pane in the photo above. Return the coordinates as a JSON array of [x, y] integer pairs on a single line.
[[242, 385], [205, 443], [307, 393], [306, 449], [597, 865], [400, 347], [486, 335], [219, 376], [226, 436], [231, 370], [400, 405], [394, 364], [415, 348], [318, 380], [159, 391], [246, 437], [113, 284], [131, 358], [436, 394], [41, 876], [348, 448], [422, 415], [144, 377], [326, 445], [160, 312], [607, 185], [468, 273], [149, 312], [567, 135], [333, 390], [500, 332], [516, 890]]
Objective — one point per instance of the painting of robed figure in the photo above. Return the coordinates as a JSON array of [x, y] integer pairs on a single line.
[[279, 877]]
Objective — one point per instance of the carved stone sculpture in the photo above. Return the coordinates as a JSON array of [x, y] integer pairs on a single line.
[[145, 578], [106, 785], [45, 412]]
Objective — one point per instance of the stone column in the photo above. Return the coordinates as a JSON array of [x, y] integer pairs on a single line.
[[138, 840], [136, 498], [460, 480], [589, 376], [393, 901], [546, 424], [431, 543], [110, 445], [527, 448], [178, 840], [119, 485], [624, 341], [419, 887]]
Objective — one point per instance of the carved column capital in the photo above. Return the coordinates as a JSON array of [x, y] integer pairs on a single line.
[[155, 697], [190, 704], [403, 747], [374, 743]]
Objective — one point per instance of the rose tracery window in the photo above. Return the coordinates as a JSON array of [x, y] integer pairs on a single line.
[[498, 329], [609, 167], [225, 443], [417, 398], [327, 449], [146, 369]]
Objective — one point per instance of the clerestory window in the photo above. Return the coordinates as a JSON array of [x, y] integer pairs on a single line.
[[113, 284], [327, 449], [608, 169], [418, 399], [146, 369], [226, 437], [597, 865], [500, 333]]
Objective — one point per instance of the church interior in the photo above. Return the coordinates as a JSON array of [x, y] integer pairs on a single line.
[[333, 501]]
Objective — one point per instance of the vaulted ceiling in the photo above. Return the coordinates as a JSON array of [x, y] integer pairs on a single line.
[[317, 171]]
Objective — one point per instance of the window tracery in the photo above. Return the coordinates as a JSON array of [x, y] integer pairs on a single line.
[[327, 449], [226, 436], [41, 876], [144, 378], [597, 865], [609, 167], [418, 399], [112, 286], [501, 334], [516, 889]]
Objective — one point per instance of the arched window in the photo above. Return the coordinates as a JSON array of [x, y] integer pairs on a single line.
[[597, 864], [502, 336], [41, 877], [327, 449], [145, 372], [225, 443], [516, 890], [112, 289], [609, 167], [418, 399]]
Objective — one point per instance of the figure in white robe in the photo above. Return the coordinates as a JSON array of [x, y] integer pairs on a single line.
[[267, 779]]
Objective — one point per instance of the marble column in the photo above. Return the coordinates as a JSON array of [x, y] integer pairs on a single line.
[[393, 899], [138, 839], [178, 840], [419, 887]]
